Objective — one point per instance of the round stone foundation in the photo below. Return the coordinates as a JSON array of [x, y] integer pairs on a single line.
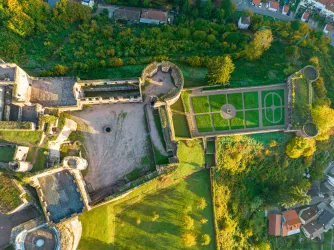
[[228, 111]]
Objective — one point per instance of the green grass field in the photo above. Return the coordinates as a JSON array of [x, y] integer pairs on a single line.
[[252, 118], [236, 100], [216, 102], [273, 97], [200, 104], [7, 154], [220, 123], [203, 123], [251, 100], [238, 121], [28, 138], [9, 194], [181, 125], [137, 229]]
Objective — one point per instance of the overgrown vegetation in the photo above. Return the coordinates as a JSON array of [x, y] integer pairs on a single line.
[[9, 194]]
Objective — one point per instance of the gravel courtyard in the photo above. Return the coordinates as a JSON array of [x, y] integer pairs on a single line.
[[112, 156]]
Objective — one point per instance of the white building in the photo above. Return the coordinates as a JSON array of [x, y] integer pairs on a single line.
[[244, 22], [89, 3], [326, 7]]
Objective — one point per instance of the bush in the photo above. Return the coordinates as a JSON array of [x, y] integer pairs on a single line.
[[201, 203], [189, 239], [155, 216], [205, 240], [299, 146], [188, 222], [115, 62]]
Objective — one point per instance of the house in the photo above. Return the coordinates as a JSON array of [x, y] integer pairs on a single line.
[[325, 216], [291, 223], [285, 9], [275, 223], [129, 14], [305, 16], [89, 3], [313, 230], [154, 16], [244, 22], [273, 6], [327, 28], [308, 214], [325, 7], [256, 3]]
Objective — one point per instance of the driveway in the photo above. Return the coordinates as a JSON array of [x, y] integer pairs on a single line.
[[244, 5], [8, 222]]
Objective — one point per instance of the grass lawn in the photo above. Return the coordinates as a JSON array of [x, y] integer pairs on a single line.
[[158, 125], [216, 102], [9, 194], [160, 158], [300, 109], [219, 122], [28, 138], [200, 104], [238, 121], [193, 77], [178, 106], [235, 100], [209, 160], [7, 154], [252, 118], [203, 123], [210, 147], [171, 205], [251, 100], [185, 100], [268, 116], [181, 125], [269, 98], [40, 161]]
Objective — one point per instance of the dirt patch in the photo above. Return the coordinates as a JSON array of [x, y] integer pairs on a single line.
[[113, 155]]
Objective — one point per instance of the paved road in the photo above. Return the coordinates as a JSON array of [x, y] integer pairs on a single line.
[[244, 5], [7, 222]]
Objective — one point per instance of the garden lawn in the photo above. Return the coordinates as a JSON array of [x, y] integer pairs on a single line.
[[9, 194], [28, 138], [269, 98], [181, 125], [219, 122], [135, 228], [238, 121], [178, 106], [7, 154], [40, 161], [216, 102], [273, 118], [251, 100], [203, 123], [210, 147], [235, 100], [200, 104], [252, 118]]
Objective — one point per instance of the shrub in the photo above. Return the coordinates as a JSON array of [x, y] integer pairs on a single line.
[[205, 240], [201, 203], [189, 239], [138, 221], [187, 222], [115, 62], [299, 146], [204, 221], [155, 216]]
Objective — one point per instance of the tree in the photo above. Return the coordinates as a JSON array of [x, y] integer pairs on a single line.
[[155, 216], [300, 146], [207, 9], [323, 117], [205, 240], [202, 203], [262, 42], [187, 222], [189, 239], [115, 62], [228, 8], [220, 70]]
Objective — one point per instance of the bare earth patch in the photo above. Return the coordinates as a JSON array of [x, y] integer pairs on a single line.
[[115, 154]]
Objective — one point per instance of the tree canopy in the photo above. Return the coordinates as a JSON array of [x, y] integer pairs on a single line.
[[220, 70]]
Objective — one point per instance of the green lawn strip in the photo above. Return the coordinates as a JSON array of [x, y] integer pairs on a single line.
[[238, 121], [7, 154], [209, 160], [170, 205], [185, 100], [251, 100], [300, 109], [181, 126], [159, 126], [200, 104], [41, 160], [236, 100], [252, 118], [219, 122], [203, 123], [178, 106], [210, 147], [9, 194], [28, 138], [160, 158], [267, 96], [193, 77], [216, 102]]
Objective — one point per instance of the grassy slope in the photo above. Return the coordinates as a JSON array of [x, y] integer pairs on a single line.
[[98, 227], [7, 154], [21, 137], [9, 194], [164, 233]]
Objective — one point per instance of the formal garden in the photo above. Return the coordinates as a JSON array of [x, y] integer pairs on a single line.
[[239, 110]]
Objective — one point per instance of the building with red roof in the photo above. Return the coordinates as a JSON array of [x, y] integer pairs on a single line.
[[285, 9], [275, 222], [273, 6], [305, 16], [328, 28]]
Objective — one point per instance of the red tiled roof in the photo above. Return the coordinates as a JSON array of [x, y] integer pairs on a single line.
[[286, 8], [291, 218], [330, 5], [257, 2], [328, 27], [274, 5], [154, 14], [274, 224], [306, 15], [284, 229]]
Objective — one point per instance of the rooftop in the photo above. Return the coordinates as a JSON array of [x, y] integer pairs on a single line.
[[314, 228], [274, 224], [306, 15], [256, 2], [286, 8], [325, 217], [61, 195], [127, 13], [245, 20], [154, 15], [7, 72], [51, 92], [308, 213], [291, 217], [274, 4]]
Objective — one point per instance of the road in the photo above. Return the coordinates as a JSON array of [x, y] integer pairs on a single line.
[[244, 5], [8, 222]]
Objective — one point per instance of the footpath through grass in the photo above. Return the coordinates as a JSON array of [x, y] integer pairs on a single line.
[[99, 229]]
